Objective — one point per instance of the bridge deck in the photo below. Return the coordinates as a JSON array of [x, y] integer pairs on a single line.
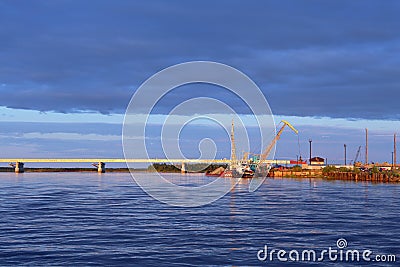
[[110, 160]]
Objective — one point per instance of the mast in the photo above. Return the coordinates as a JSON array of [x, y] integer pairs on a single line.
[[394, 151], [366, 146], [233, 145]]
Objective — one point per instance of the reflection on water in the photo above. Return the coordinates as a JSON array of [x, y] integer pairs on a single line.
[[85, 219]]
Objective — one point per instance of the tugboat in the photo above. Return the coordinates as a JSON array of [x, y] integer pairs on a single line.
[[241, 170], [244, 171]]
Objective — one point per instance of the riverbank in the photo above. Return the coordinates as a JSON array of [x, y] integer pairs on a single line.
[[386, 177], [381, 177]]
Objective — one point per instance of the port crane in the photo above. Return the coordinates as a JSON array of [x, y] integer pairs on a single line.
[[268, 150], [249, 165], [263, 156], [357, 155]]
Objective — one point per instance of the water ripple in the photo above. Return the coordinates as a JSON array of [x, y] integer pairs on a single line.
[[88, 219]]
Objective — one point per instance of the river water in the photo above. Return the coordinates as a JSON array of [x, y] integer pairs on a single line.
[[82, 219]]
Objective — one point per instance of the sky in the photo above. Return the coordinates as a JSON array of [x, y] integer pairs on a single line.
[[68, 70]]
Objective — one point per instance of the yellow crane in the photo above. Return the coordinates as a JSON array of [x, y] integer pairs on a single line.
[[267, 151]]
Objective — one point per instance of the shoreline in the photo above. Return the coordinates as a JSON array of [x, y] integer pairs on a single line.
[[380, 177], [348, 176]]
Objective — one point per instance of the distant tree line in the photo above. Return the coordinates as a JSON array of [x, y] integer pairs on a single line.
[[196, 167]]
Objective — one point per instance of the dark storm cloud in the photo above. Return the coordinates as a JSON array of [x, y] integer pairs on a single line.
[[311, 58]]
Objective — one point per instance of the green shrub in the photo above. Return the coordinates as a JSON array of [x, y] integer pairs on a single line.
[[344, 169], [375, 169], [329, 168], [296, 168]]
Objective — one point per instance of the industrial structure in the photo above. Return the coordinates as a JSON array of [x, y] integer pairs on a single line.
[[257, 164], [255, 161], [100, 163]]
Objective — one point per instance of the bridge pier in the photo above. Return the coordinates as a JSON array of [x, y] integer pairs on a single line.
[[101, 167], [19, 167], [183, 168]]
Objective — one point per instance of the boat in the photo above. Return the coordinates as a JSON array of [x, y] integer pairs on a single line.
[[227, 174], [216, 173], [239, 171], [243, 170]]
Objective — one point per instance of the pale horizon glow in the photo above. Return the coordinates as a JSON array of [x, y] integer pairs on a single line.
[[23, 115]]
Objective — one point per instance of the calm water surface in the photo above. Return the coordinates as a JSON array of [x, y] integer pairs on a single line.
[[64, 219]]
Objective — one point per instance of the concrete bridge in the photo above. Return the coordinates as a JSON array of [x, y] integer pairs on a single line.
[[100, 163]]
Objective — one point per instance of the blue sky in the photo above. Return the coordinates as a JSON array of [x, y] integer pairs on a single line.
[[69, 68]]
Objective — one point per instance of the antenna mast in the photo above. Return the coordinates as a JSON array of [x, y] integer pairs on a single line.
[[233, 145], [366, 146], [394, 151]]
